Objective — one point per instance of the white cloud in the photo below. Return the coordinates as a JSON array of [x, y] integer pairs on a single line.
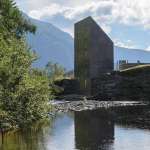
[[101, 9], [69, 30], [50, 10], [128, 12], [126, 44], [148, 48], [132, 12], [106, 28]]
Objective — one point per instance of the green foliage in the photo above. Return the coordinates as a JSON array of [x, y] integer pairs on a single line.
[[12, 21], [134, 71], [24, 92], [54, 71], [55, 90], [32, 99]]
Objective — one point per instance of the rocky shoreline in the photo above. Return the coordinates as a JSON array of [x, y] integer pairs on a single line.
[[83, 105], [141, 120], [131, 113]]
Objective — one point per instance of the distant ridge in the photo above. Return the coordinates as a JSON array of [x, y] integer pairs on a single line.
[[132, 55]]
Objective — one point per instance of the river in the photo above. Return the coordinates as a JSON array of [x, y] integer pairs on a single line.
[[87, 130]]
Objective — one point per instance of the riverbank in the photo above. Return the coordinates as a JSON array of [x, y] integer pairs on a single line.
[[132, 113], [92, 105]]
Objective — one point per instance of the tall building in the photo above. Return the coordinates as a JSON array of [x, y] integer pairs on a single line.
[[93, 53]]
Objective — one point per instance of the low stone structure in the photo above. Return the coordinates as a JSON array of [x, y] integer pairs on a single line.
[[69, 86], [131, 84]]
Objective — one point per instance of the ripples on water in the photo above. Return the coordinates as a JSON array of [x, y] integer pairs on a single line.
[[89, 130]]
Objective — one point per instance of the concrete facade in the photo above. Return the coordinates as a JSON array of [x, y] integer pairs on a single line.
[[93, 53]]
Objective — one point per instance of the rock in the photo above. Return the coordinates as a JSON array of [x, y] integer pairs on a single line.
[[91, 105]]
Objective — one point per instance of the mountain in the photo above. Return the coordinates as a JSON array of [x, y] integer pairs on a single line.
[[53, 44], [132, 55]]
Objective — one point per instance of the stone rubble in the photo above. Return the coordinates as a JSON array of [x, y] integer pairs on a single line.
[[91, 105]]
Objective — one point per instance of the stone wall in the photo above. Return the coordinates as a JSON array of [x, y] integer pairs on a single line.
[[104, 87], [69, 86], [128, 85]]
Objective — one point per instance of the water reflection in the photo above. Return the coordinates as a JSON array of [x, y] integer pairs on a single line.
[[56, 134], [94, 130], [27, 139], [88, 130]]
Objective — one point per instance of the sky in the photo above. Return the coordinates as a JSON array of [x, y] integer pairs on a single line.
[[127, 22]]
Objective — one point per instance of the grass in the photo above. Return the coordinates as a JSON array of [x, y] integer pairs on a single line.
[[136, 70]]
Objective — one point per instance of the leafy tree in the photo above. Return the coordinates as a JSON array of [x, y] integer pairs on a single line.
[[32, 99], [54, 71], [24, 91], [12, 20]]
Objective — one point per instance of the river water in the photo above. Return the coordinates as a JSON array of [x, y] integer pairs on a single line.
[[88, 130]]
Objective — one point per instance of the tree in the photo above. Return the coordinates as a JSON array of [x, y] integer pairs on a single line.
[[54, 71], [12, 20], [24, 92]]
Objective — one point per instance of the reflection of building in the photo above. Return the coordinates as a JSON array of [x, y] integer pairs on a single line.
[[93, 53], [93, 129]]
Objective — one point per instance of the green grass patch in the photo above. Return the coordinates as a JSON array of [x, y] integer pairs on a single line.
[[136, 70]]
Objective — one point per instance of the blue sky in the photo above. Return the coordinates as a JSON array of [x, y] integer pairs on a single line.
[[126, 21]]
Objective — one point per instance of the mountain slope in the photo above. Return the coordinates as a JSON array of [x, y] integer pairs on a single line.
[[53, 44]]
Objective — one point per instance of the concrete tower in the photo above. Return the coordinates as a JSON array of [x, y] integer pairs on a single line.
[[93, 53]]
